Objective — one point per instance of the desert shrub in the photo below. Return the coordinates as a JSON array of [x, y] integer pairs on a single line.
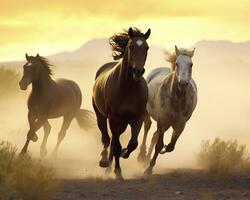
[[22, 178], [9, 79], [222, 156]]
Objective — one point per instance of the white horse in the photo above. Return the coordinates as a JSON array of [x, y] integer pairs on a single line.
[[171, 102]]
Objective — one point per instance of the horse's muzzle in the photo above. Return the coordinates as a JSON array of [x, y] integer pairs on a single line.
[[183, 84], [23, 85], [138, 73]]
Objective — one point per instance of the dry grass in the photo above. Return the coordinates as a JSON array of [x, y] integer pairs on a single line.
[[24, 178], [9, 79], [220, 157]]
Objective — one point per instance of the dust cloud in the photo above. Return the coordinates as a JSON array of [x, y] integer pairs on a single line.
[[223, 111]]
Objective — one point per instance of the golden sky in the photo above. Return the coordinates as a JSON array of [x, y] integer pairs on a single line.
[[47, 26]]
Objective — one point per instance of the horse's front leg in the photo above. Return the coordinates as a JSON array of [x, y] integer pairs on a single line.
[[117, 129], [34, 123], [43, 148], [133, 142], [158, 147], [175, 135]]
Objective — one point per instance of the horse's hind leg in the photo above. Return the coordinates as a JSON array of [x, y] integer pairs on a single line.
[[151, 147], [66, 123], [147, 124], [102, 125], [117, 153], [111, 155], [43, 149]]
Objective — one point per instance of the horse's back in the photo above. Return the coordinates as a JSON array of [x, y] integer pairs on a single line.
[[160, 71], [70, 91], [105, 68]]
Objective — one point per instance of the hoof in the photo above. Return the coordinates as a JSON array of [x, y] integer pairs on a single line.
[[108, 170], [104, 163], [170, 148], [118, 174], [124, 153], [34, 138], [43, 152], [148, 171], [167, 148]]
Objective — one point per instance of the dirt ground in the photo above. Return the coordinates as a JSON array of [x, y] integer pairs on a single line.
[[172, 185]]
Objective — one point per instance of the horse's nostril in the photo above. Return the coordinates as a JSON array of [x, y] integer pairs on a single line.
[[138, 71], [183, 83]]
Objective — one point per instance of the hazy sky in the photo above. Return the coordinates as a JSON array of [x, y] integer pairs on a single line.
[[47, 26]]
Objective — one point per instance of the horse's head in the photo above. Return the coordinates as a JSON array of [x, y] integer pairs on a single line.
[[32, 70], [183, 66], [137, 52]]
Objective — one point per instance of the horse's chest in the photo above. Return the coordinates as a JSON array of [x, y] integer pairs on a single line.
[[130, 105], [38, 107], [176, 110], [43, 106]]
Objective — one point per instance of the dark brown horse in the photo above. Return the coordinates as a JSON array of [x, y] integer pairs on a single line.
[[120, 94], [50, 99]]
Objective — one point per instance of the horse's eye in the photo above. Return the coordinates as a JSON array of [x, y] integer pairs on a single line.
[[191, 65]]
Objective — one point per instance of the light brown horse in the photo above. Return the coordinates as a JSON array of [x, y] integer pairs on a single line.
[[50, 99], [120, 94], [171, 102]]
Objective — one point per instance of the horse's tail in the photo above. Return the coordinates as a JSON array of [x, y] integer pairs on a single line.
[[85, 119]]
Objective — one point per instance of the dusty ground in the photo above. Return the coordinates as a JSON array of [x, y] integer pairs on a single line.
[[174, 184]]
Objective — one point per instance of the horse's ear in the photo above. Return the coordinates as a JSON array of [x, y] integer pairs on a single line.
[[27, 57], [177, 51], [37, 55], [147, 34], [192, 53], [130, 32]]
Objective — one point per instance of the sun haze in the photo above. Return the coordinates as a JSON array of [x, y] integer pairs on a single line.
[[52, 26]]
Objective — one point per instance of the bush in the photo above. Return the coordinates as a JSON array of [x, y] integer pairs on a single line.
[[222, 156], [23, 178], [9, 79]]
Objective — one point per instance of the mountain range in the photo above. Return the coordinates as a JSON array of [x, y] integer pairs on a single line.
[[97, 51]]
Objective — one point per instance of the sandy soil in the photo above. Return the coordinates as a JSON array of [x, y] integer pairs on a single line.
[[174, 184]]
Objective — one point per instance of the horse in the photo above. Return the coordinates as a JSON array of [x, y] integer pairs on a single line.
[[120, 95], [171, 101], [50, 99]]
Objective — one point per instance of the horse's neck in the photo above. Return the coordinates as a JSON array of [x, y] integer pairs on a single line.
[[42, 85], [176, 93], [125, 74]]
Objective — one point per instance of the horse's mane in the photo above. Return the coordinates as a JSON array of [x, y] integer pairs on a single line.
[[118, 42], [45, 63], [171, 57]]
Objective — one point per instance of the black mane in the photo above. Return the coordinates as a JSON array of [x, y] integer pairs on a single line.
[[44, 61], [118, 42]]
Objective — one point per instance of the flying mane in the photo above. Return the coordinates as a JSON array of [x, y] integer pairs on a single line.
[[118, 42], [44, 61], [171, 57]]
